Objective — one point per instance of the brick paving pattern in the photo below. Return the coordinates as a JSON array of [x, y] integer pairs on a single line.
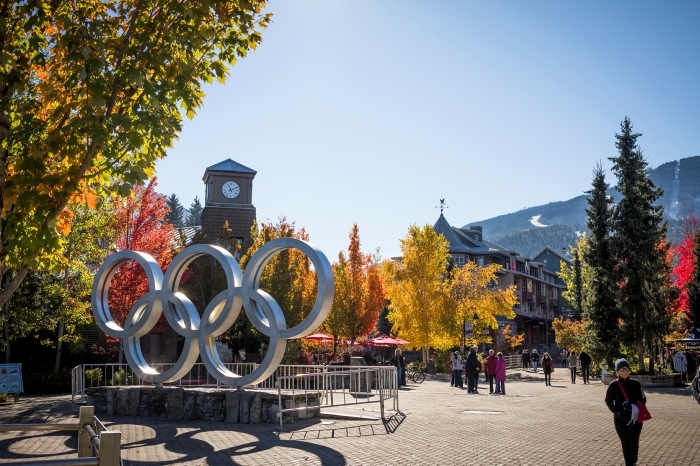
[[533, 424]]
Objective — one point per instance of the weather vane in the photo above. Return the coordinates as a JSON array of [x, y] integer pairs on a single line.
[[442, 205]]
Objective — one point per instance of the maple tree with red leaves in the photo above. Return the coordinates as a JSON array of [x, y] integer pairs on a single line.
[[685, 266], [359, 293], [143, 227]]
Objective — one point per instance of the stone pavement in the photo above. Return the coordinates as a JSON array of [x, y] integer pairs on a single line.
[[532, 425]]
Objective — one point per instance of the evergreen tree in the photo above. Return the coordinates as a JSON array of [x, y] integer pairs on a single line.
[[694, 284], [578, 283], [194, 217], [599, 301], [175, 217], [639, 248]]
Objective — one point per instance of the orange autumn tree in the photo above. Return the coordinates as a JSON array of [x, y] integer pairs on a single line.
[[144, 228], [288, 277], [359, 293]]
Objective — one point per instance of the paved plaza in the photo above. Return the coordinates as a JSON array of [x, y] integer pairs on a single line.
[[532, 425]]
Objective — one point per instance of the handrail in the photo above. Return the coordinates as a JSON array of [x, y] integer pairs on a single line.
[[23, 427], [106, 443]]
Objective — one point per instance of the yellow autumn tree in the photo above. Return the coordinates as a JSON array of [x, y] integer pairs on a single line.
[[288, 276], [417, 289], [569, 333], [477, 298]]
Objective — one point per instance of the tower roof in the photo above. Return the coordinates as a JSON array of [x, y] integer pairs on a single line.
[[229, 165]]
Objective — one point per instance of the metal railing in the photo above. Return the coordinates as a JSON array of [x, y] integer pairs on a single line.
[[115, 375], [92, 436], [340, 387]]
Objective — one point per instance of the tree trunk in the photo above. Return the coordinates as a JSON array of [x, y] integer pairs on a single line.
[[640, 354], [7, 332], [59, 343]]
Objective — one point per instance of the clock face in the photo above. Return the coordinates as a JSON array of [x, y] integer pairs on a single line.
[[231, 189]]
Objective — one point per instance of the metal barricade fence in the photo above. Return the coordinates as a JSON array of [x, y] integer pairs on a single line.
[[351, 385], [93, 436], [114, 374]]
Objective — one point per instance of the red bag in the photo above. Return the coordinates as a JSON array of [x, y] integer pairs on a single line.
[[644, 414]]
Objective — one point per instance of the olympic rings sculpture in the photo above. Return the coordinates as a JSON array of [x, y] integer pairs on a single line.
[[242, 291]]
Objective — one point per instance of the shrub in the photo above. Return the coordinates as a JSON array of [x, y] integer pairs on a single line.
[[47, 382], [93, 377], [304, 358], [121, 377]]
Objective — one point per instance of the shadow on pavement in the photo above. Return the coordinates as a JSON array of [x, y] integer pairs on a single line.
[[71, 444], [193, 448]]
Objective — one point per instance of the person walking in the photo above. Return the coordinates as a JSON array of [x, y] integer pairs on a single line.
[[457, 369], [500, 375], [565, 355], [535, 359], [547, 368], [398, 362], [585, 360], [573, 363], [622, 398], [472, 368], [526, 360], [490, 368]]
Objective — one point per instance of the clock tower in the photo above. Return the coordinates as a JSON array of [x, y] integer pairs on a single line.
[[229, 197]]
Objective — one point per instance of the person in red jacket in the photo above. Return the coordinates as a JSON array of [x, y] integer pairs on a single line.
[[500, 375], [490, 368]]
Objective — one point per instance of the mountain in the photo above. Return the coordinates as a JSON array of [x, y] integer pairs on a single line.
[[559, 224]]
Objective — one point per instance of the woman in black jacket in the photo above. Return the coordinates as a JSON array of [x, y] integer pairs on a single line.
[[625, 410]]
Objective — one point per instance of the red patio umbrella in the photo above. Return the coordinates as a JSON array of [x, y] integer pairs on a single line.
[[387, 340], [320, 338]]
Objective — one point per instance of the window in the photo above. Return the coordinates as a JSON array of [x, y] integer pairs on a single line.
[[529, 285], [459, 259]]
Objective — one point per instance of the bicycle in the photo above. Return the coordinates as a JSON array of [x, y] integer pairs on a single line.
[[417, 376]]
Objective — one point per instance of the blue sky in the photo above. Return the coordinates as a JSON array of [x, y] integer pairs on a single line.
[[369, 112]]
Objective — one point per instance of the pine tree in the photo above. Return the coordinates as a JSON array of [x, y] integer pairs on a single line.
[[175, 217], [639, 248], [693, 287], [599, 302], [194, 217]]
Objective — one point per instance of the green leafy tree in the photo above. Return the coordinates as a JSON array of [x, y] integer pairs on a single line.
[[175, 217], [59, 302], [194, 216], [639, 248], [92, 94]]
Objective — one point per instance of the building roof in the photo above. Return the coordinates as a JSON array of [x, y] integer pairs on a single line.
[[229, 165], [556, 253], [184, 234], [442, 227]]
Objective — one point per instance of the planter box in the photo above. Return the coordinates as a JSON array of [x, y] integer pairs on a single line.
[[665, 380]]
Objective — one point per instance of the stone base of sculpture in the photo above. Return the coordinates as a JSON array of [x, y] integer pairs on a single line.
[[206, 404]]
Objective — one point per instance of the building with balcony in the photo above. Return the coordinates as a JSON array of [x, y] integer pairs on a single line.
[[537, 283]]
